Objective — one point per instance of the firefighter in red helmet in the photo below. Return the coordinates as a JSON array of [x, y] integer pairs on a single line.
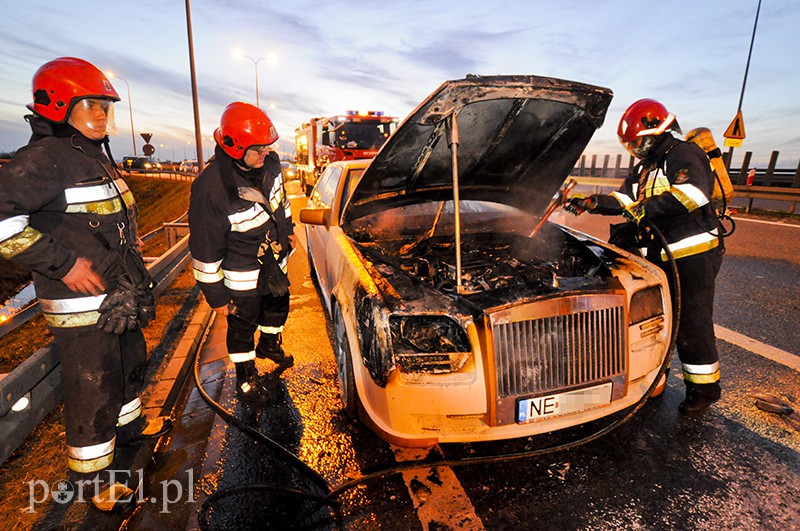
[[68, 216], [241, 235], [671, 187]]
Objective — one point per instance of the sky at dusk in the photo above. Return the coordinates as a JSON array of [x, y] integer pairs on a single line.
[[327, 57]]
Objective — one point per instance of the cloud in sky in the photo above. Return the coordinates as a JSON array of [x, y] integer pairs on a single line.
[[352, 54]]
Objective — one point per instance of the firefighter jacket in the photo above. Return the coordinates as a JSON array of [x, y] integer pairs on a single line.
[[61, 198], [674, 188], [238, 220]]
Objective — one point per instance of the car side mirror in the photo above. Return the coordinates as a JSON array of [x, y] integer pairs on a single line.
[[315, 216]]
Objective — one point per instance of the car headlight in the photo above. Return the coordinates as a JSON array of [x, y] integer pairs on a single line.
[[645, 304], [428, 343]]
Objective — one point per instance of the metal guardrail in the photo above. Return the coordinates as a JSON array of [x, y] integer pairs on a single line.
[[771, 175], [38, 378], [771, 193]]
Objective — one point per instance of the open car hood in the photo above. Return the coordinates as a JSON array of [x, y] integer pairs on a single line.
[[518, 139]]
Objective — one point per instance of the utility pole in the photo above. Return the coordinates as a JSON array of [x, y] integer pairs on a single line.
[[744, 81]]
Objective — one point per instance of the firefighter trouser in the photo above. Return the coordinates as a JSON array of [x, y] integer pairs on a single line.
[[256, 312], [696, 342], [102, 375]]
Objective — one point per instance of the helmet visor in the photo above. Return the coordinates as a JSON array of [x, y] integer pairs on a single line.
[[93, 117], [640, 146]]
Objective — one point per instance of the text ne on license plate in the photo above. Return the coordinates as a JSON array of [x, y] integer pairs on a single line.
[[542, 407]]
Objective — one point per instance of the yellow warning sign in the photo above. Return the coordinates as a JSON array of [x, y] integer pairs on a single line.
[[733, 142], [736, 129]]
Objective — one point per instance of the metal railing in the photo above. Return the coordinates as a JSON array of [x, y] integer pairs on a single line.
[[38, 378], [770, 176], [785, 183]]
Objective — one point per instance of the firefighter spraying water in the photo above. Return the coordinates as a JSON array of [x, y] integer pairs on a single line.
[[672, 188]]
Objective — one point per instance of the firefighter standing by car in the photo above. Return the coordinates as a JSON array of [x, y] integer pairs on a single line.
[[67, 215], [241, 236], [671, 188]]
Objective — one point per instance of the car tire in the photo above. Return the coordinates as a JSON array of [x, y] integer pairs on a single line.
[[344, 366]]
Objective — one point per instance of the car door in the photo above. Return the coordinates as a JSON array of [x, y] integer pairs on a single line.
[[323, 196]]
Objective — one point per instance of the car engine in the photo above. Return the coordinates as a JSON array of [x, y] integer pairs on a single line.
[[491, 262]]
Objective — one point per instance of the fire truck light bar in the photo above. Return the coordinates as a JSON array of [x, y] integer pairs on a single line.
[[365, 113]]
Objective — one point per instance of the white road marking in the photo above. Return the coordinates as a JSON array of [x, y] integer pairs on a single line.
[[757, 347], [778, 223], [437, 494]]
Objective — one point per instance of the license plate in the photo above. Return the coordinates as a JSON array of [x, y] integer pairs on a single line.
[[543, 407]]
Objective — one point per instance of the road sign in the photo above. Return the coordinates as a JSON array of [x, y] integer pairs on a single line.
[[148, 149], [736, 129], [147, 137]]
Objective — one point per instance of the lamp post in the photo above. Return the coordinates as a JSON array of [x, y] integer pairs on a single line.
[[255, 64], [195, 98], [744, 81], [130, 108]]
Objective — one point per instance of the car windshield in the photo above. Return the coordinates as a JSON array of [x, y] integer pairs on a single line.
[[420, 218], [362, 135]]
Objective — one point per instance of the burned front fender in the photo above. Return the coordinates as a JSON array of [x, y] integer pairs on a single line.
[[400, 322]]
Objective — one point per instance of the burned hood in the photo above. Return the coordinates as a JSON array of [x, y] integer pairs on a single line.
[[518, 137]]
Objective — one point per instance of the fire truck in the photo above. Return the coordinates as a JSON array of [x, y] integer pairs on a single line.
[[355, 135]]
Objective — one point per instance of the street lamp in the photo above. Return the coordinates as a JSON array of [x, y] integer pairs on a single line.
[[130, 108], [240, 53]]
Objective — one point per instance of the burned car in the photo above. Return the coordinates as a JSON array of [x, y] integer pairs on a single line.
[[456, 319]]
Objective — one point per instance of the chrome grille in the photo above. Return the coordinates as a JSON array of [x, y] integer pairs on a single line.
[[535, 352]]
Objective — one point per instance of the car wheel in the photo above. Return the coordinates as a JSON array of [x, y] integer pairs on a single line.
[[344, 366]]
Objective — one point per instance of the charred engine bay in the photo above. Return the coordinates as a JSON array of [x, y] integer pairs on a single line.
[[495, 263]]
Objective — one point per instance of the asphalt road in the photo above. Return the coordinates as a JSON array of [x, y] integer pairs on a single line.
[[736, 467]]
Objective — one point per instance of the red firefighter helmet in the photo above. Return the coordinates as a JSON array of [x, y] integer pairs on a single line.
[[242, 126], [645, 117], [59, 84], [641, 123]]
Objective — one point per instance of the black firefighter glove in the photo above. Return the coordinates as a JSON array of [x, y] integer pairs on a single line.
[[146, 305], [145, 300], [271, 278], [119, 310], [578, 204]]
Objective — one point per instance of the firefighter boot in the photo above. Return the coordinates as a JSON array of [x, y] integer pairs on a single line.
[[269, 347], [248, 383], [142, 429], [106, 495], [699, 397]]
